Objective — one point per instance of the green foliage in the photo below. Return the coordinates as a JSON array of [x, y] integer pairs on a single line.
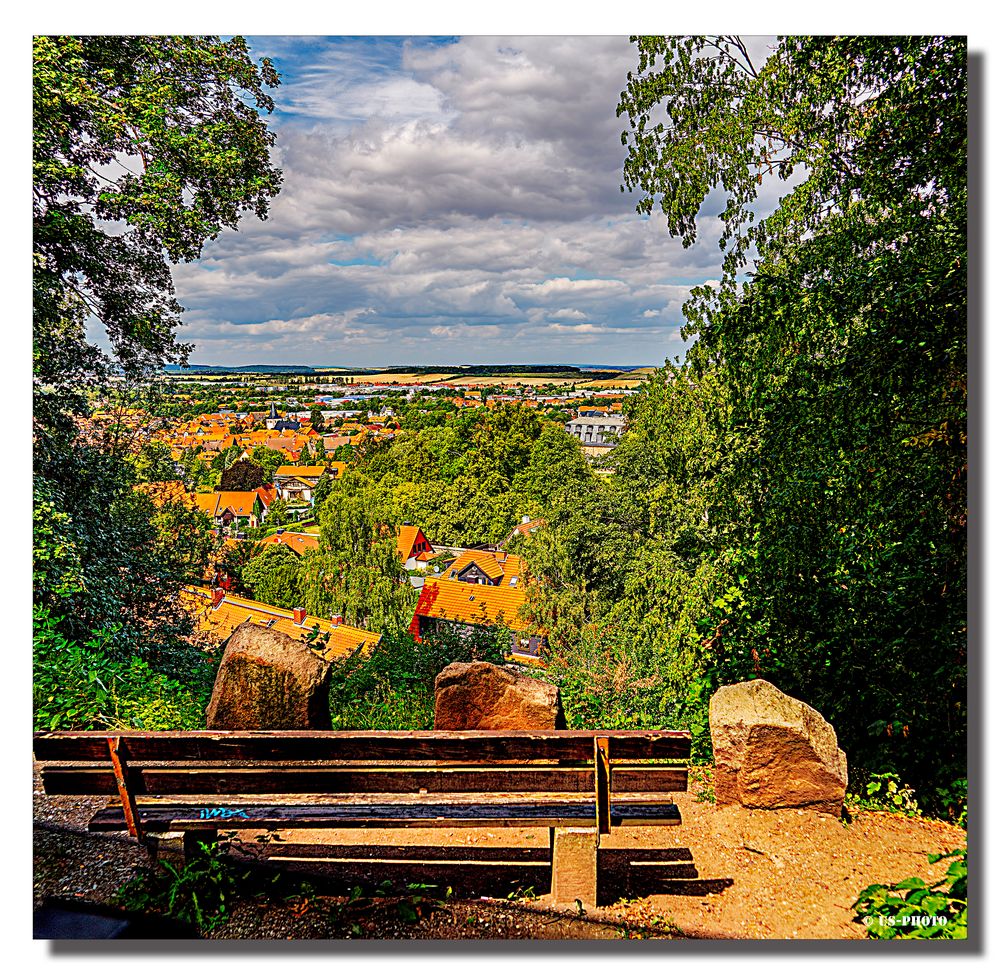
[[244, 475], [80, 687], [829, 458], [186, 111], [198, 892], [106, 558], [883, 791], [392, 688], [205, 159], [702, 783], [277, 514], [154, 463], [272, 577], [356, 571], [910, 908], [268, 460]]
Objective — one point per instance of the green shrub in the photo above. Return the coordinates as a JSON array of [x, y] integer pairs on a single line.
[[79, 687], [197, 892], [884, 792], [392, 688], [914, 908]]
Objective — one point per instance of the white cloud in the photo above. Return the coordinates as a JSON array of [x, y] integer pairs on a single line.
[[450, 201]]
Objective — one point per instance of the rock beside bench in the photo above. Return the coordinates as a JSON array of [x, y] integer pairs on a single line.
[[773, 751], [482, 696], [268, 680]]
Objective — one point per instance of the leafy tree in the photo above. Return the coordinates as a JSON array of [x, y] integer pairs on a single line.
[[268, 460], [356, 571], [155, 462], [322, 490], [555, 463], [225, 459], [144, 148], [273, 577], [277, 513], [316, 418], [838, 517], [244, 475]]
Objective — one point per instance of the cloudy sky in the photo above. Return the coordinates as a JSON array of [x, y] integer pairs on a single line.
[[446, 200]]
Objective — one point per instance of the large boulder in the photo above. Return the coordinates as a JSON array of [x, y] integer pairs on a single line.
[[774, 752], [483, 696], [268, 680]]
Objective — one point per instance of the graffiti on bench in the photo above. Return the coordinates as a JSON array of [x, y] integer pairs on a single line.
[[220, 812]]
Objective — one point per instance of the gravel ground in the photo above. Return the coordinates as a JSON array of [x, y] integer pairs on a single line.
[[737, 874]]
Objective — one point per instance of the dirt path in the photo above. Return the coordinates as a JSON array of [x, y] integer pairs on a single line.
[[724, 873]]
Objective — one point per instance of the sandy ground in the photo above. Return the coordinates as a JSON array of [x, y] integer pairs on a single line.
[[723, 873]]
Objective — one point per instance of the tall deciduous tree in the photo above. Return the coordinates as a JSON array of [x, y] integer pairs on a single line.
[[268, 460], [357, 571], [839, 510], [144, 149], [244, 475]]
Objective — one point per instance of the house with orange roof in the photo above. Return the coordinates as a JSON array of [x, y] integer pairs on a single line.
[[218, 613], [298, 542], [240, 509], [289, 446], [295, 483], [527, 527], [411, 544], [479, 589]]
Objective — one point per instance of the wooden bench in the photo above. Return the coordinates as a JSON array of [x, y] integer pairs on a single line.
[[578, 784]]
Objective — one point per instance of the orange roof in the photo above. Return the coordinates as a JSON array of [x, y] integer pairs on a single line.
[[405, 538], [496, 565], [289, 470], [298, 542], [242, 502], [484, 560], [465, 602], [207, 502], [235, 610], [266, 494]]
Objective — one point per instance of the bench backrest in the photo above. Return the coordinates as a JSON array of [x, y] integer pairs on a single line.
[[136, 764]]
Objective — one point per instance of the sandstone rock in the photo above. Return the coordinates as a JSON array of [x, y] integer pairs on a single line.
[[269, 680], [773, 752], [483, 696]]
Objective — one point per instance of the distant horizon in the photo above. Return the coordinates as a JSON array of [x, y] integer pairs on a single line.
[[402, 367]]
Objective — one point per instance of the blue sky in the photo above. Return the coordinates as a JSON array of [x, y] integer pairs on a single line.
[[446, 200]]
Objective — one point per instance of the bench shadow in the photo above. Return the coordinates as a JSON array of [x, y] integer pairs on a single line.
[[498, 872]]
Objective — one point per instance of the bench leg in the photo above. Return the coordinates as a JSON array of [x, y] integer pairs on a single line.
[[574, 865], [180, 846]]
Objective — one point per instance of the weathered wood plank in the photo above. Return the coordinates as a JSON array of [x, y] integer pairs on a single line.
[[67, 780], [333, 745], [167, 818]]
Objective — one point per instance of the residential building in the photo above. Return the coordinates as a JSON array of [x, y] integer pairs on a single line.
[[297, 483], [218, 613], [480, 589], [597, 430], [237, 509], [412, 546]]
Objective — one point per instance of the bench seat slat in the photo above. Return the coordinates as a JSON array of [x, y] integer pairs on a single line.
[[67, 780], [423, 814], [333, 745]]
